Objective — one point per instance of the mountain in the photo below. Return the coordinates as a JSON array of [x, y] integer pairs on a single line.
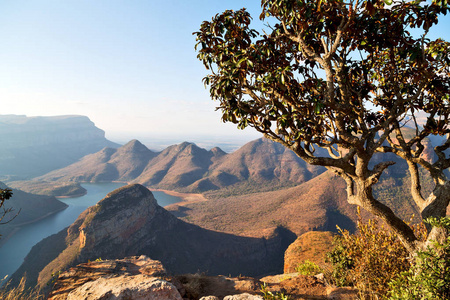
[[36, 145], [178, 166], [28, 208], [258, 165], [129, 222], [122, 164]]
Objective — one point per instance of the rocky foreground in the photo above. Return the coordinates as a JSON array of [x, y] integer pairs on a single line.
[[140, 277]]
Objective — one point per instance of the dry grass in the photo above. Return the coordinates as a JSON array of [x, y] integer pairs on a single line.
[[19, 292]]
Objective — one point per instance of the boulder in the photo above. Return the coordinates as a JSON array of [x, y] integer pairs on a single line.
[[311, 246]]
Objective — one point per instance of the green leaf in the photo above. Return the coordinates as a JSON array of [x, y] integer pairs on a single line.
[[318, 108]]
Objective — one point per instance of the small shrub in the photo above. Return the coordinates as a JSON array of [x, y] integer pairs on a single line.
[[369, 259], [268, 295], [308, 268], [429, 277]]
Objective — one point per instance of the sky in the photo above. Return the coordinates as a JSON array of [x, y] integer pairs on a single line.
[[129, 65]]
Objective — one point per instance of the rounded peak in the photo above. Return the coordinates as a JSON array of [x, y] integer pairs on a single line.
[[133, 189], [217, 151], [134, 145], [125, 197], [133, 142], [186, 144]]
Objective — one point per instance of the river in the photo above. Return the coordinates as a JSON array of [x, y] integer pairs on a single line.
[[17, 247]]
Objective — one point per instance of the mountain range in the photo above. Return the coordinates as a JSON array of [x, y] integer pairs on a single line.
[[258, 165]]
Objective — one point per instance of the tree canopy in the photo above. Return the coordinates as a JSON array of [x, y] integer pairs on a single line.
[[346, 76]]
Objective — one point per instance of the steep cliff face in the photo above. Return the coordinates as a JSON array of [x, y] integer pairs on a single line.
[[37, 145], [129, 222], [44, 131]]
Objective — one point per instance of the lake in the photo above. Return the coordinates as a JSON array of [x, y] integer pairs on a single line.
[[17, 247]]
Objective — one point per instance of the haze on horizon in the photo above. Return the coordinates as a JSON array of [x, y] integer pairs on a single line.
[[130, 66]]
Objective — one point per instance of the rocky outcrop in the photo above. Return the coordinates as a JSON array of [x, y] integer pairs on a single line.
[[311, 246], [37, 145], [129, 278], [137, 287], [130, 222]]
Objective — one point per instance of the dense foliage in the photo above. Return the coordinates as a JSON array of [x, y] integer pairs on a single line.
[[346, 76], [429, 277], [369, 259]]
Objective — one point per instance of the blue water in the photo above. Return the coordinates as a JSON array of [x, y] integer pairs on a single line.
[[17, 247]]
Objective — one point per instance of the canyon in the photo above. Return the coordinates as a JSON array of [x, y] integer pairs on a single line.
[[256, 201]]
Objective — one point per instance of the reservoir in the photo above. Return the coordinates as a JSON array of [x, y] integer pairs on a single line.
[[13, 252]]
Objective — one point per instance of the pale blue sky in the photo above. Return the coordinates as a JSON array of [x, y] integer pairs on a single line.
[[129, 65]]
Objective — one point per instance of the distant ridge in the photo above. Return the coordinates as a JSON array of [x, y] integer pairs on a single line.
[[258, 165], [36, 145]]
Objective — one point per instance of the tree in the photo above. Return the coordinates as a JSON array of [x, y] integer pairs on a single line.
[[5, 194], [345, 76]]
